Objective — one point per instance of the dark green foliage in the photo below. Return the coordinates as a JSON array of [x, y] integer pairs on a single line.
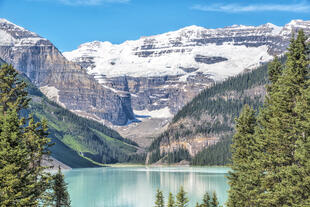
[[12, 90], [23, 145], [159, 202], [224, 99], [177, 156], [218, 154], [214, 202], [137, 158], [274, 169], [203, 102], [242, 179], [280, 131], [75, 136], [60, 195], [274, 70], [181, 198], [170, 157], [154, 156], [171, 202], [89, 134], [206, 200], [86, 133]]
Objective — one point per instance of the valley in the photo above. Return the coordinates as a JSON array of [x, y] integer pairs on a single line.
[[128, 103], [169, 92]]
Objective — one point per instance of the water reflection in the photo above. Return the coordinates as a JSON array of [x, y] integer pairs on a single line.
[[136, 187]]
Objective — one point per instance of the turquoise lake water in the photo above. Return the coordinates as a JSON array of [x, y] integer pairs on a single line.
[[136, 186]]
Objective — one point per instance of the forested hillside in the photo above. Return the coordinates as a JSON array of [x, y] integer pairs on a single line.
[[78, 140], [76, 136], [211, 114]]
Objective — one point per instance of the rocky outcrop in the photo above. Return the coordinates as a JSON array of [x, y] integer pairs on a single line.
[[63, 81], [155, 93], [193, 145], [168, 70]]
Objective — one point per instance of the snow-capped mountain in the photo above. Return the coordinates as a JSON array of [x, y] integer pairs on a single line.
[[14, 35], [167, 70], [62, 81], [217, 52]]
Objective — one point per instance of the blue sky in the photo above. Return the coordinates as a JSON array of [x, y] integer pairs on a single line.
[[68, 23]]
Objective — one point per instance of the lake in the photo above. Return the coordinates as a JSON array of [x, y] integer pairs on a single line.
[[136, 186]]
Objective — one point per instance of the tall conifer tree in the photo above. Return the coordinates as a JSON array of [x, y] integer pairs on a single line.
[[242, 179], [182, 200], [60, 196], [302, 154], [278, 166], [214, 202], [159, 202], [23, 143], [170, 201], [206, 200], [278, 129]]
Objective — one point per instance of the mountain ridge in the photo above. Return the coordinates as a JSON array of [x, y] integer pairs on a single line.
[[171, 69], [72, 87], [164, 72]]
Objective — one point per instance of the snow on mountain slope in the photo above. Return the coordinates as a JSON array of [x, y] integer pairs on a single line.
[[61, 80], [119, 60], [13, 35], [221, 53], [168, 70]]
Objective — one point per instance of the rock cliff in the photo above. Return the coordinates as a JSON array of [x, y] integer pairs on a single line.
[[163, 72], [63, 81]]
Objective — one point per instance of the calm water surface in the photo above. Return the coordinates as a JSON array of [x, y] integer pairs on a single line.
[[136, 186]]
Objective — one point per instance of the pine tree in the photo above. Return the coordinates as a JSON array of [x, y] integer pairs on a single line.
[[23, 143], [159, 202], [12, 161], [61, 196], [181, 198], [275, 169], [214, 201], [206, 200], [274, 70], [302, 155], [279, 130], [170, 201], [243, 153]]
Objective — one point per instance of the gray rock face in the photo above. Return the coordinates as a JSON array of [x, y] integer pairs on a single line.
[[61, 80], [167, 70], [155, 93], [106, 81], [209, 60]]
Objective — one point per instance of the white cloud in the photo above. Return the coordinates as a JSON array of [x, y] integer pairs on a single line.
[[234, 8]]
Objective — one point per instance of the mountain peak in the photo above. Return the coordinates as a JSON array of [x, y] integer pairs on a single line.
[[7, 25], [295, 22], [95, 44], [12, 34], [193, 27], [2, 20], [268, 24], [298, 23], [276, 30]]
